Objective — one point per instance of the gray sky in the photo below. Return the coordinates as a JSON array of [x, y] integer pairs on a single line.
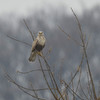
[[22, 7], [45, 15]]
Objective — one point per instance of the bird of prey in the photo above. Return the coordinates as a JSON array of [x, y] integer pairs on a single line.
[[37, 46]]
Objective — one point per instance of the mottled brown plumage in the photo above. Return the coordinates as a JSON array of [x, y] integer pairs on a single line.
[[37, 46]]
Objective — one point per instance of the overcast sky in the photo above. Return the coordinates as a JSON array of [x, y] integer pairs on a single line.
[[22, 7], [14, 55]]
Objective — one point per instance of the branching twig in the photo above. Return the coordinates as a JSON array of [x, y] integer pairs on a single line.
[[20, 87], [83, 92], [74, 76], [70, 36], [67, 86], [46, 79], [34, 92], [85, 53], [48, 67]]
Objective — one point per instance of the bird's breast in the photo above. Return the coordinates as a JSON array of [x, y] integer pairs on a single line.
[[41, 40]]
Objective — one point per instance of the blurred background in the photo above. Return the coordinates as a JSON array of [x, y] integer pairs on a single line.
[[65, 55]]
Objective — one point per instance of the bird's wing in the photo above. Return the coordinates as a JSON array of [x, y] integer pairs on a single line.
[[34, 44]]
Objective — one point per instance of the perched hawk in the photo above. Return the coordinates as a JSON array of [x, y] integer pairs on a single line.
[[37, 46]]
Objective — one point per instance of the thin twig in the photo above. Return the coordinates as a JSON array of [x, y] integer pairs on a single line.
[[45, 89], [29, 29], [18, 40], [35, 92], [21, 88], [48, 51], [73, 88], [67, 86], [31, 71], [83, 92], [74, 76], [89, 86], [70, 36], [80, 66]]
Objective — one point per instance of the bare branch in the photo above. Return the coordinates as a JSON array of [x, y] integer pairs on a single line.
[[51, 74], [73, 88], [31, 71], [80, 66], [34, 91], [83, 92], [67, 86], [85, 53], [46, 79], [28, 29], [70, 36], [74, 76], [20, 87], [19, 40]]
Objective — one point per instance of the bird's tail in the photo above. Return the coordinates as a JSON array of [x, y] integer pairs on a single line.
[[32, 56]]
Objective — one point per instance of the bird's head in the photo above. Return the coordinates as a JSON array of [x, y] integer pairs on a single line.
[[40, 33]]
